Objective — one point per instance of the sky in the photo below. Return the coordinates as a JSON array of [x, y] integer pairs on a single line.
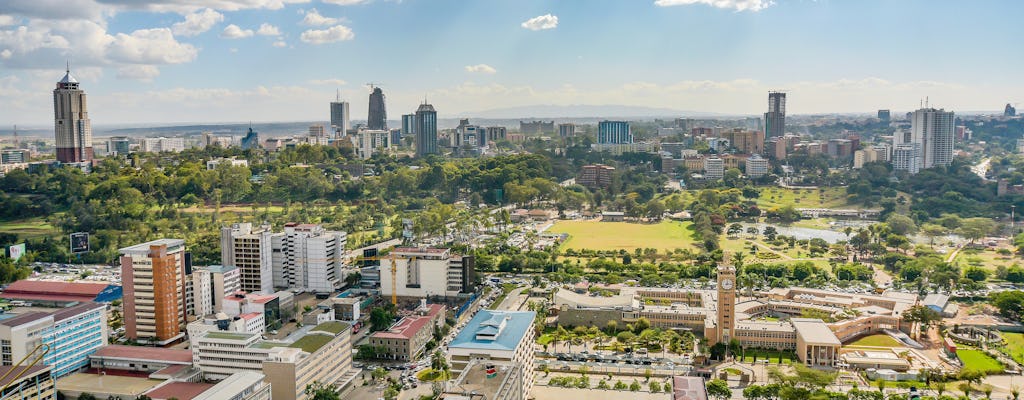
[[174, 61]]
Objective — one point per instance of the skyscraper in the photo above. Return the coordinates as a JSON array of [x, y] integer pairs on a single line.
[[71, 121], [614, 132], [339, 116], [426, 130], [248, 248], [933, 130], [884, 115], [377, 118], [408, 124], [251, 140], [154, 276], [775, 118]]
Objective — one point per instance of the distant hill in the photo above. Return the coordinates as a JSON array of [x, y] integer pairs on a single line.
[[585, 111]]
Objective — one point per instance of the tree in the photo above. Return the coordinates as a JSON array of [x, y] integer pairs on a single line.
[[390, 393], [976, 274], [438, 362], [1010, 303], [735, 229], [635, 386], [381, 318], [901, 224], [320, 391], [976, 228], [770, 233], [86, 396], [654, 386], [921, 314], [718, 389], [933, 231]]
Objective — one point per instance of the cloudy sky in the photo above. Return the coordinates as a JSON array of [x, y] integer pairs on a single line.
[[282, 60]]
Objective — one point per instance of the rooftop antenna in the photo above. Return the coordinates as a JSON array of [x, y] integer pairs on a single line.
[[16, 136], [926, 101], [338, 95]]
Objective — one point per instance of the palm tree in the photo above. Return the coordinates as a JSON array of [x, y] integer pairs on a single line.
[[940, 387], [881, 387]]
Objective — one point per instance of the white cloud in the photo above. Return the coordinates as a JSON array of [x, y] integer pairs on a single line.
[[144, 73], [150, 46], [546, 21], [268, 30], [54, 9], [738, 5], [481, 68], [183, 6], [332, 82], [346, 2], [280, 43], [335, 33], [24, 39], [8, 20], [5, 54], [234, 32], [313, 18], [197, 22]]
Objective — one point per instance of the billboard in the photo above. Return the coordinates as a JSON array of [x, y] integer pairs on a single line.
[[79, 242], [15, 252]]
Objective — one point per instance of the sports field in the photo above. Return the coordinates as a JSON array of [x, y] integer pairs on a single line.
[[774, 197], [978, 360], [28, 227], [876, 341], [597, 235]]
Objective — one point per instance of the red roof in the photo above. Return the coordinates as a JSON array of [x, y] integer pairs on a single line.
[[250, 315], [53, 291], [144, 353], [179, 390], [409, 326]]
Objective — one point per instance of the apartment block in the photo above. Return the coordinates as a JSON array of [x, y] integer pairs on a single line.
[[155, 276], [595, 176], [249, 250], [308, 256], [210, 285], [407, 339]]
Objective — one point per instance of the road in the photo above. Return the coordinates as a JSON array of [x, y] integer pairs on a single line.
[[514, 299], [982, 168]]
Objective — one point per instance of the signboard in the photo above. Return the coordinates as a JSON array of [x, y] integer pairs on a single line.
[[15, 252], [79, 242]]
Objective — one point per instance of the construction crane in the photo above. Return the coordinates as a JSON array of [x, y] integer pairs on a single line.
[[394, 271], [373, 85], [42, 349]]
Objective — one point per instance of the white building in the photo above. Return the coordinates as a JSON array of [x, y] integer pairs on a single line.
[[249, 249], [234, 162], [372, 142], [210, 285], [757, 166], [159, 144], [427, 272], [242, 385], [907, 157], [499, 336], [73, 333], [933, 129], [309, 257], [714, 168]]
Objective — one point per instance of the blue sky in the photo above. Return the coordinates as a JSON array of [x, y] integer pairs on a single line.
[[141, 62]]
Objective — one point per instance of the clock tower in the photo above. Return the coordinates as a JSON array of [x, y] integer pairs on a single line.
[[726, 303]]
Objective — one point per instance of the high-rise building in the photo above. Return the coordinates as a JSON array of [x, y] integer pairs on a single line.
[[429, 273], [746, 141], [155, 276], [73, 333], [162, 144], [309, 257], [251, 140], [14, 156], [119, 145], [757, 166], [1009, 111], [426, 130], [496, 133], [933, 130], [210, 285], [496, 337], [408, 124], [372, 142], [595, 176], [884, 115], [775, 118], [536, 127], [377, 117], [614, 132], [339, 116], [566, 130], [249, 250], [71, 124], [714, 168], [906, 157]]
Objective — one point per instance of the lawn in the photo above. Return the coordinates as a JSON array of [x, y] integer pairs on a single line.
[[596, 235], [33, 227], [876, 341], [751, 355], [978, 360], [430, 375], [775, 197], [987, 259], [1014, 346]]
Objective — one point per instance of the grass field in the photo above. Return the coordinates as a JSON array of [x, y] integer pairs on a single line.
[[987, 259], [1014, 346], [775, 197], [28, 227], [978, 360], [596, 235], [876, 341]]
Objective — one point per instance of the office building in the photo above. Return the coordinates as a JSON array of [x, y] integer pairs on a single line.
[[496, 133], [210, 285], [340, 116], [119, 145], [1009, 111], [884, 115], [251, 140], [500, 337], [407, 339], [73, 333], [242, 385], [27, 383], [614, 132], [932, 130], [595, 176], [234, 162], [745, 141], [162, 144], [249, 249], [308, 257], [408, 125], [372, 142], [72, 128], [566, 130], [16, 156], [867, 155], [377, 116], [907, 157], [154, 276], [714, 168], [426, 130], [840, 148], [775, 118], [536, 127], [432, 273], [757, 166]]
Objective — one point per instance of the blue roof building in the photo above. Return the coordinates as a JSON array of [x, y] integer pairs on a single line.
[[498, 336]]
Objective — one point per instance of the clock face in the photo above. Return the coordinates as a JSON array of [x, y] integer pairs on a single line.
[[727, 284]]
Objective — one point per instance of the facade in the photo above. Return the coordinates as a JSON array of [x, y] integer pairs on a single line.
[[745, 141], [714, 168], [614, 132], [16, 156], [867, 155], [496, 133], [816, 344], [488, 379], [372, 142], [251, 140], [775, 118], [499, 337], [71, 124], [119, 145], [408, 125], [536, 127], [72, 334], [242, 385], [249, 249], [308, 256], [566, 130], [234, 162], [595, 176], [377, 116], [340, 116], [428, 273], [757, 166], [210, 285], [933, 130], [162, 144], [907, 157], [154, 276], [407, 339], [323, 355], [138, 358], [884, 115], [426, 130], [27, 383]]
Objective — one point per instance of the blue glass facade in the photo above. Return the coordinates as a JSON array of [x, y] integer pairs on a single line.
[[614, 132], [73, 339]]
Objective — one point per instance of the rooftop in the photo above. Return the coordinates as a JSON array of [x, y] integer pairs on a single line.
[[228, 335], [219, 269], [334, 327], [126, 386], [312, 342], [814, 331], [688, 388], [8, 376], [487, 322], [476, 381], [179, 390], [87, 291], [174, 356], [144, 247]]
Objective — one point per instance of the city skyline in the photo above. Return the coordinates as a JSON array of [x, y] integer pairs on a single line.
[[240, 60]]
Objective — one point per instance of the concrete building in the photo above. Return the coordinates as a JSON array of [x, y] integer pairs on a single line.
[[71, 125], [884, 115], [907, 157], [714, 168], [72, 334], [498, 337], [488, 379], [866, 155], [162, 144], [496, 133], [309, 257], [816, 344], [614, 132], [406, 340], [155, 278], [242, 385], [249, 249], [210, 285], [745, 141], [60, 294], [271, 307], [426, 130], [933, 130], [566, 130], [234, 162], [595, 176], [377, 116], [27, 383], [372, 142], [428, 273], [15, 156], [340, 116], [757, 166], [536, 127], [775, 118], [138, 358]]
